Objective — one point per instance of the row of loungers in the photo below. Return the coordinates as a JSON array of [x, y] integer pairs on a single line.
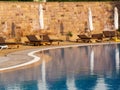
[[31, 40], [45, 39], [4, 44], [107, 35]]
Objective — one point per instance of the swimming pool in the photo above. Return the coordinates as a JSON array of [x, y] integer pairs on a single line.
[[94, 67]]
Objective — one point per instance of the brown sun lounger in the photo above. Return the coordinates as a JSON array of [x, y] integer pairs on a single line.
[[51, 39], [98, 37], [84, 38], [109, 34], [2, 42], [33, 40]]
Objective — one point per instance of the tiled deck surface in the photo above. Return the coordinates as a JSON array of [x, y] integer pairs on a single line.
[[15, 58]]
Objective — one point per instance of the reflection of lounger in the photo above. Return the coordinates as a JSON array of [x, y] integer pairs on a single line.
[[84, 38]]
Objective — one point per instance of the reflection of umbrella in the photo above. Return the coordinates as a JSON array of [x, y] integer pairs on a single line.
[[71, 82], [42, 85], [101, 83], [43, 71], [41, 18], [92, 61], [117, 58], [90, 25], [116, 26]]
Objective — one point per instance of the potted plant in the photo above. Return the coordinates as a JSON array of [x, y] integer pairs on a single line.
[[69, 34]]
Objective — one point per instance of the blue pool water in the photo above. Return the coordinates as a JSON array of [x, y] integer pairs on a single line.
[[74, 68]]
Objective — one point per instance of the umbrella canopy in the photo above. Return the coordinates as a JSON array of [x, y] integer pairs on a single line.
[[41, 18], [116, 26], [90, 24]]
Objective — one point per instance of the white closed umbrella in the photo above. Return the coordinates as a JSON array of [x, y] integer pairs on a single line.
[[90, 22], [41, 17], [116, 24]]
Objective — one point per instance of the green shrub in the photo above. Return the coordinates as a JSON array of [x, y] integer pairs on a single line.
[[69, 34]]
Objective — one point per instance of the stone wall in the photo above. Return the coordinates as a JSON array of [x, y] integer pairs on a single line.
[[22, 18]]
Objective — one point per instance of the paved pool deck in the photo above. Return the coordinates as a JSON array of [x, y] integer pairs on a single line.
[[26, 57]]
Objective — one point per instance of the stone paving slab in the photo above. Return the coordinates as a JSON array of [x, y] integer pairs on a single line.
[[15, 58]]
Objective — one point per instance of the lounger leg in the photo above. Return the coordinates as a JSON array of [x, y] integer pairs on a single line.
[[17, 46], [34, 44], [51, 43], [76, 40]]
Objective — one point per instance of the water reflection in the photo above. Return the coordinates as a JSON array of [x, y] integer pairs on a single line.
[[104, 59], [77, 68], [92, 61], [117, 58], [100, 84], [87, 82], [71, 82], [27, 85], [43, 84]]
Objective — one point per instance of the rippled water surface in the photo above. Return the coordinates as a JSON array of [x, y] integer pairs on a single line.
[[74, 68]]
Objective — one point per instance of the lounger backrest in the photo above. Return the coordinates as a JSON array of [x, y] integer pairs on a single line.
[[53, 37], [2, 40], [106, 33], [32, 38], [83, 37], [97, 36], [112, 33], [109, 33], [24, 39], [45, 37]]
